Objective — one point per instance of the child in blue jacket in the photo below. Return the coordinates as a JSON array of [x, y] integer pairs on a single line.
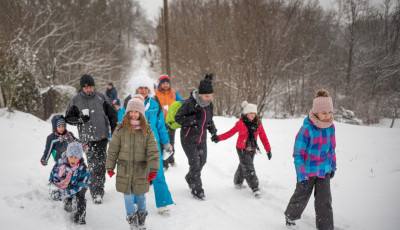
[[58, 140], [69, 180]]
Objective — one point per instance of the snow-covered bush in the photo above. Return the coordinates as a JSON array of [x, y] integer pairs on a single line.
[[347, 116]]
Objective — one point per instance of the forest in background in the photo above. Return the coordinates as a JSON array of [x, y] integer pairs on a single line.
[[277, 53]]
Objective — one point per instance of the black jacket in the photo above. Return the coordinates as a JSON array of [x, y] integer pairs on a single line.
[[195, 121]]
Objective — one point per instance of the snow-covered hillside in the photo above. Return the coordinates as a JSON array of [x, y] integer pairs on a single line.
[[365, 190]]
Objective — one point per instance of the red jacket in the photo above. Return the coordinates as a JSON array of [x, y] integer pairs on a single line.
[[243, 134]]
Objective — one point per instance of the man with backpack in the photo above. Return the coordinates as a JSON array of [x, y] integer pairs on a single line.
[[166, 96]]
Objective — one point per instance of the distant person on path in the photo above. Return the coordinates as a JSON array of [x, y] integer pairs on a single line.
[[93, 113], [133, 148], [315, 163], [143, 85], [166, 96], [69, 179], [196, 117], [249, 128], [120, 110], [58, 140], [111, 93]]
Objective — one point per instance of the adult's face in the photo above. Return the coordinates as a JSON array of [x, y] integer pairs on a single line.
[[144, 91], [206, 97], [88, 89], [109, 87], [165, 86]]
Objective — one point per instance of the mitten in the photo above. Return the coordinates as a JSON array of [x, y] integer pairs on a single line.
[[269, 154], [332, 174], [43, 163], [215, 138], [85, 118], [152, 176], [110, 173], [304, 184]]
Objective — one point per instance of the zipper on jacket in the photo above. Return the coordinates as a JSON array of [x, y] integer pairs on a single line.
[[202, 127], [187, 132]]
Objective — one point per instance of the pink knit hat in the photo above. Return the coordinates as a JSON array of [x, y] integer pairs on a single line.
[[136, 104], [321, 104]]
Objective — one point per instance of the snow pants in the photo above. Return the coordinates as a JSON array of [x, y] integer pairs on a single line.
[[197, 158], [322, 203], [96, 157], [246, 169], [171, 159]]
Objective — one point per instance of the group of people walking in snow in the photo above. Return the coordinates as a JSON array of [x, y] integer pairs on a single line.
[[143, 131]]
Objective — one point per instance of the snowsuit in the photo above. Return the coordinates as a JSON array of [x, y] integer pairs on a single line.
[[246, 169], [195, 120], [314, 159], [56, 143], [167, 97], [94, 133], [77, 185], [112, 93]]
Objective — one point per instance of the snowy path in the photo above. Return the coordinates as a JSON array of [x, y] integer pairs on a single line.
[[366, 189]]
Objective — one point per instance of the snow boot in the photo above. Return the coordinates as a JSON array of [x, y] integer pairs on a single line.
[[97, 199], [164, 210], [290, 224], [132, 221], [80, 211], [257, 192], [68, 204], [141, 219], [198, 194], [240, 186]]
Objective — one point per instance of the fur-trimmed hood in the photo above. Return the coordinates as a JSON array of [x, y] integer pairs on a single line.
[[143, 80]]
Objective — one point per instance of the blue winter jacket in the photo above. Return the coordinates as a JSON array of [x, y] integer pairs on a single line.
[[56, 143], [156, 120]]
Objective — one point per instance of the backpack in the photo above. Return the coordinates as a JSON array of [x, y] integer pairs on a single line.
[[172, 110]]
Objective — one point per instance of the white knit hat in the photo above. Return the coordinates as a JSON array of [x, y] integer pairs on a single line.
[[142, 80], [249, 108]]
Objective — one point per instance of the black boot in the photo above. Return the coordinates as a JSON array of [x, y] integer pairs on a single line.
[[198, 194], [68, 204], [141, 219], [132, 221], [80, 213]]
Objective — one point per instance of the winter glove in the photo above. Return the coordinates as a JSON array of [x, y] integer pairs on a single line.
[[110, 173], [304, 184], [269, 154], [332, 174], [85, 118], [215, 138], [43, 163], [152, 176]]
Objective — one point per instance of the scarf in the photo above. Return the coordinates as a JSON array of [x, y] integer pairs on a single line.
[[66, 173], [135, 124], [198, 99], [64, 136], [320, 124], [252, 127]]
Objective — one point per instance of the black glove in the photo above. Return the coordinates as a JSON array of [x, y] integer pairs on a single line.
[[269, 154], [304, 184], [215, 138], [85, 118], [332, 174]]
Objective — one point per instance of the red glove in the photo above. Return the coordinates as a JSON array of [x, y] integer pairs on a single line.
[[110, 173], [152, 176], [44, 164]]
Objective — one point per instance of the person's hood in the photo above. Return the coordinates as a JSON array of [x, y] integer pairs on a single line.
[[54, 122], [143, 80]]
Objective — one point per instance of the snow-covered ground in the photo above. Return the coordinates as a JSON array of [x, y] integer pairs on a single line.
[[365, 190]]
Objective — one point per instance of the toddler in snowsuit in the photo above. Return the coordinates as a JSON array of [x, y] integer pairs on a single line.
[[58, 140], [133, 148], [69, 181], [249, 127], [315, 163]]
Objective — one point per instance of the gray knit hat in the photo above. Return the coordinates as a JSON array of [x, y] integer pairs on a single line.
[[136, 104], [74, 149]]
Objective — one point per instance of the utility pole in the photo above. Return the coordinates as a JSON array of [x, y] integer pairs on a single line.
[[167, 61]]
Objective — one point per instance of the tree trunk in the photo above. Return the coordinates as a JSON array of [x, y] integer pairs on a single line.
[[2, 103], [394, 114], [167, 62]]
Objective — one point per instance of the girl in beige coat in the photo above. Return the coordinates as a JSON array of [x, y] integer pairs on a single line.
[[133, 148]]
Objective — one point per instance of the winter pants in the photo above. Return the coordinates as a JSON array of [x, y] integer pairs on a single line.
[[171, 159], [79, 203], [96, 158], [197, 158], [130, 203], [322, 203], [246, 169]]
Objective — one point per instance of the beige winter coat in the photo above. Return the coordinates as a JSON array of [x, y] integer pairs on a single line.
[[135, 156]]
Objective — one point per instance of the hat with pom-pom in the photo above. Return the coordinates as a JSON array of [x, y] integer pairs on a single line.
[[205, 86], [249, 108], [136, 104]]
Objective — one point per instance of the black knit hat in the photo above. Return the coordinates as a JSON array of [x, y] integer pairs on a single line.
[[87, 80], [205, 86]]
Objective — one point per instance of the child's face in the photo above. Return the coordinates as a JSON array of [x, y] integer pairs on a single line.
[[134, 115], [73, 161], [324, 115], [60, 128], [251, 116]]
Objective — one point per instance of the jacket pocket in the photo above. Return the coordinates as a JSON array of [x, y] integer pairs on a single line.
[[141, 171], [121, 168]]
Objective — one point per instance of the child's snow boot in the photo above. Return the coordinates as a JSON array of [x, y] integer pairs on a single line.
[[141, 219], [68, 204], [132, 221], [80, 214]]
